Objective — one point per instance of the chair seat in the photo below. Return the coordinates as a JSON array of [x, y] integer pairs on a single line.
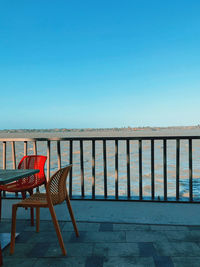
[[37, 199], [16, 187]]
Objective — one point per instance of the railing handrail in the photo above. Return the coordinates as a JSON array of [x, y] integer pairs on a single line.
[[160, 137]]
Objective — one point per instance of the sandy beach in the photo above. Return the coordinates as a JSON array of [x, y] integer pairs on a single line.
[[115, 132]]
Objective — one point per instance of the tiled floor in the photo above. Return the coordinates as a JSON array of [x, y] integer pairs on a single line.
[[105, 244]]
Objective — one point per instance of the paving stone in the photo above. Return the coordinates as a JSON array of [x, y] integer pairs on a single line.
[[96, 261], [186, 261], [129, 262], [5, 226], [130, 227], [61, 262], [163, 261], [106, 227], [177, 248], [73, 249], [179, 235], [24, 237], [147, 249], [99, 237], [195, 227], [21, 262], [194, 236], [168, 228], [44, 226], [89, 227], [42, 237], [117, 249], [21, 251], [72, 238], [183, 235], [146, 236], [38, 250]]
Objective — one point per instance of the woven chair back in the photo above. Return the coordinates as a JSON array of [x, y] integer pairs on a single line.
[[56, 186], [33, 162]]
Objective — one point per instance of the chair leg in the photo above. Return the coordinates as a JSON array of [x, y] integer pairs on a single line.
[[32, 216], [13, 229], [57, 228], [37, 220], [32, 209], [72, 216]]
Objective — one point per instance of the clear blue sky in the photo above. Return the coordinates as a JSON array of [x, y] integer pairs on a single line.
[[99, 63]]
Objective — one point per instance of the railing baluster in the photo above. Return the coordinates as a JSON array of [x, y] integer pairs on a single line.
[[116, 170], [35, 153], [93, 169], [128, 168], [14, 159], [58, 155], [82, 169], [140, 170], [4, 155], [25, 148], [34, 148], [48, 159], [177, 167], [190, 170], [165, 167], [152, 171], [70, 162], [13, 155], [4, 161], [105, 168]]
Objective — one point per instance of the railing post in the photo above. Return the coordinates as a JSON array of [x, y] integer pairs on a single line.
[[128, 168], [59, 155], [93, 169], [140, 170], [165, 167], [152, 171], [82, 169], [105, 168], [190, 171], [34, 148], [25, 148], [48, 159], [4, 161], [177, 167], [116, 169], [4, 155], [13, 155], [70, 161]]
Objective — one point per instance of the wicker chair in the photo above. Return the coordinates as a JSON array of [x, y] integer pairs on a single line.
[[56, 193], [27, 184]]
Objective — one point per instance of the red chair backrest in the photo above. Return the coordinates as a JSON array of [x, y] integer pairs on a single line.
[[34, 162]]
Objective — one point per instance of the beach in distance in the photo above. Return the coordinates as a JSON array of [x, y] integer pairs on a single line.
[[103, 132], [110, 152]]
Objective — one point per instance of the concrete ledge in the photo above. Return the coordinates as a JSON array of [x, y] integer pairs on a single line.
[[118, 212]]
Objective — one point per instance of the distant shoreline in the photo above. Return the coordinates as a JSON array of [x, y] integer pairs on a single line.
[[100, 129], [102, 132]]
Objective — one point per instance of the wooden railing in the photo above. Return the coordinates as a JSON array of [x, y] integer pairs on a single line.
[[9, 150]]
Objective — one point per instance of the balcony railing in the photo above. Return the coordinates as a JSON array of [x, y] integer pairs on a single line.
[[157, 168]]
